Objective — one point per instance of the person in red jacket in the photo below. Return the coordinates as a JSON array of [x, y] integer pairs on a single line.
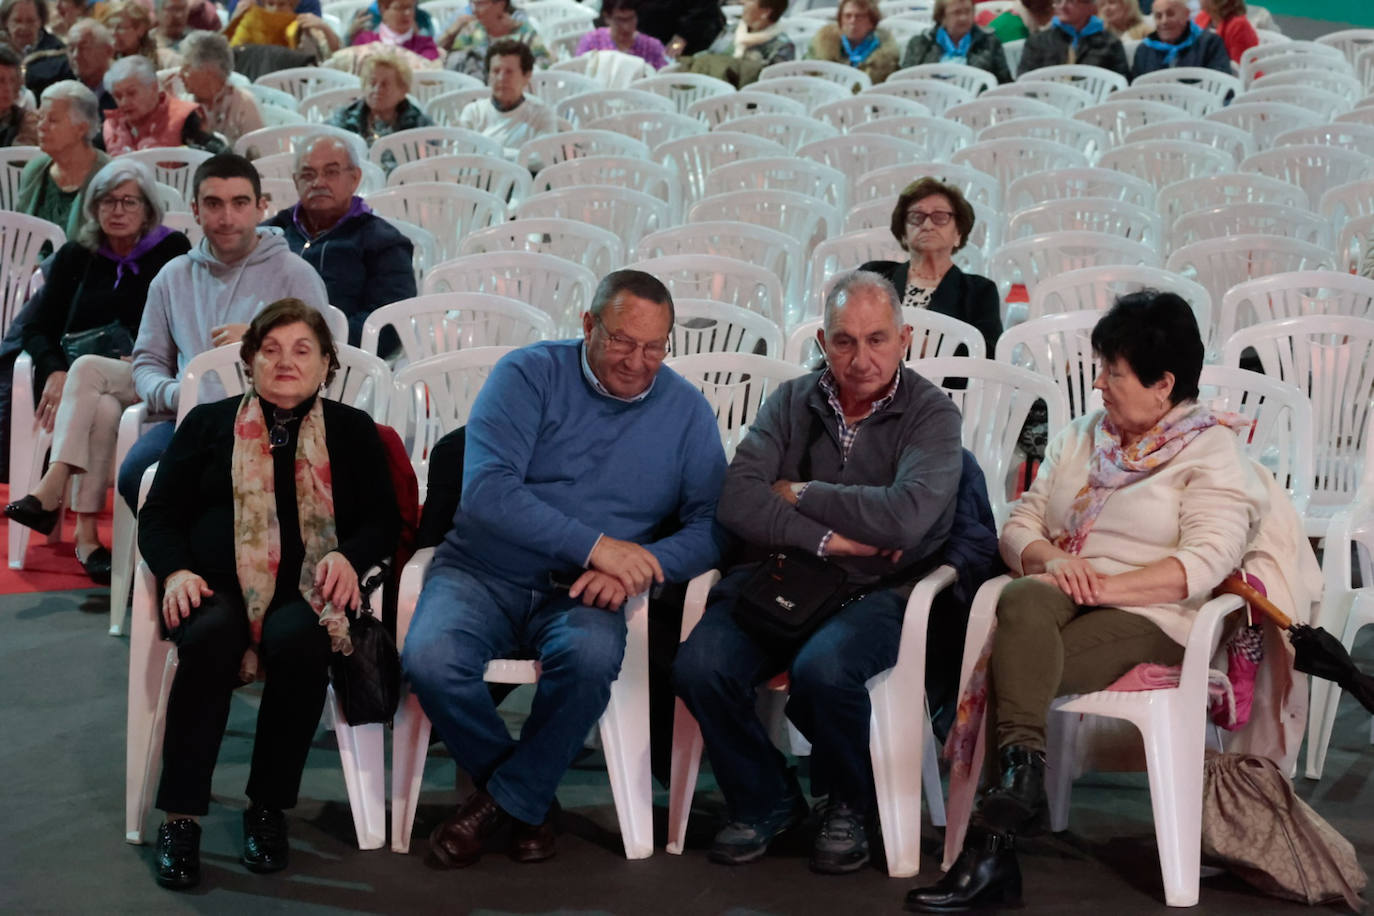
[[1228, 18]]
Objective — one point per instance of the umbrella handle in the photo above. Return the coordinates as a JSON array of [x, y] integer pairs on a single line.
[[1235, 585]]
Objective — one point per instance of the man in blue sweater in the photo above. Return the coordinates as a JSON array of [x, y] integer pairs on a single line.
[[579, 455]]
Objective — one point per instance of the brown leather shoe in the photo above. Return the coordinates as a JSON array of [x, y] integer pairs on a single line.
[[461, 840], [532, 842]]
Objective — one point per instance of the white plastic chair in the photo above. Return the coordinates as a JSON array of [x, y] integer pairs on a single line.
[[1354, 242], [936, 95], [789, 131], [1163, 162], [1097, 81], [767, 247], [1009, 159], [1250, 219], [1327, 357], [736, 385], [425, 247], [696, 157], [12, 162], [22, 237], [502, 179], [798, 216], [446, 110], [859, 153], [973, 79], [423, 142], [1338, 83], [1093, 214], [624, 725], [626, 213], [319, 107], [716, 109], [1013, 50], [722, 279], [846, 252], [449, 211], [1194, 102], [599, 250], [684, 89], [1251, 58], [901, 745], [846, 77], [1348, 201], [1118, 117], [994, 400], [267, 95], [651, 128], [981, 189], [1029, 260], [788, 173], [1363, 114], [427, 85], [845, 114], [572, 144], [652, 178], [932, 334], [1357, 137], [1219, 264], [1096, 289], [1066, 184], [1350, 42], [1214, 81], [29, 446], [985, 111], [172, 165], [1253, 70], [588, 106], [446, 322], [561, 289], [934, 139], [553, 86], [1059, 347], [287, 138], [1088, 139], [299, 82], [152, 665], [1327, 105], [1265, 121], [1066, 98], [1312, 167], [1211, 191], [1293, 295], [705, 326], [1234, 140]]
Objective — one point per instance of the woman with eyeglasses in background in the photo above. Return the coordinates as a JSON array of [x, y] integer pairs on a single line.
[[931, 221]]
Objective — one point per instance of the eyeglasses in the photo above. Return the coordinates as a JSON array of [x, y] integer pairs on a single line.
[[279, 435], [918, 218], [127, 204], [624, 346], [330, 173]]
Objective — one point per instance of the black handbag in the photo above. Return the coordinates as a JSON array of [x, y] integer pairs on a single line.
[[112, 340], [789, 596], [367, 683]]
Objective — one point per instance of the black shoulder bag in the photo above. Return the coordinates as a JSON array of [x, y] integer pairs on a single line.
[[368, 682]]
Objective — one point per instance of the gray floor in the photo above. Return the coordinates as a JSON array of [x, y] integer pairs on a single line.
[[62, 848]]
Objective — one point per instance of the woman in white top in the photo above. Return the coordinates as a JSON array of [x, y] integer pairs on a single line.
[[1137, 513]]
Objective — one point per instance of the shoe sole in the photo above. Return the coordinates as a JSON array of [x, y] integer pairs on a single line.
[[839, 868], [178, 884]]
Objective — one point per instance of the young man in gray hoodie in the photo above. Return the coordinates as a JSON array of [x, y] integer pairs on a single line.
[[206, 297]]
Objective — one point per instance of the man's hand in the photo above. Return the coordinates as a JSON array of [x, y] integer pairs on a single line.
[[227, 334], [598, 589], [1075, 577], [634, 567], [182, 591], [337, 581], [786, 490], [46, 412]]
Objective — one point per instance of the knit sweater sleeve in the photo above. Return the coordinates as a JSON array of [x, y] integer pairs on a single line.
[[502, 432], [697, 545], [1218, 511], [1028, 522]]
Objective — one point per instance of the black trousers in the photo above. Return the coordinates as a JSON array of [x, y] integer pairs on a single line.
[[294, 653]]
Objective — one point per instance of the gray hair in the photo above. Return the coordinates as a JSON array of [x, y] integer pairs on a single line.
[[84, 106], [207, 49], [135, 65], [98, 30], [113, 174], [853, 282], [305, 147]]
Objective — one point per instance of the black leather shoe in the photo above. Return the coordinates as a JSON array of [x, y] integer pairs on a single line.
[[30, 513], [461, 840], [178, 854], [986, 874], [97, 564], [265, 848], [1018, 804]]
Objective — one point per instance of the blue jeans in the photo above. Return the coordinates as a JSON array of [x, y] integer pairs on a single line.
[[720, 666], [461, 623], [145, 453]]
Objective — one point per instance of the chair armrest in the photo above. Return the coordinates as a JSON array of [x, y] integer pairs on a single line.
[[412, 578], [130, 428], [917, 615], [694, 605], [980, 619], [1202, 641]]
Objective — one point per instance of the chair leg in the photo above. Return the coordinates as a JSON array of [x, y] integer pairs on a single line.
[[930, 775], [363, 756], [625, 741], [1174, 757], [151, 667], [894, 746], [1062, 729], [122, 563], [26, 463], [682, 781], [409, 748], [1321, 720]]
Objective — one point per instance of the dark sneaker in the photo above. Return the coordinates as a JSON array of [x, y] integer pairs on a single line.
[[841, 843], [744, 841], [264, 840], [178, 854]]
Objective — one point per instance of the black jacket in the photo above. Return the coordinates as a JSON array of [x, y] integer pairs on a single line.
[[968, 297], [984, 52], [1051, 48]]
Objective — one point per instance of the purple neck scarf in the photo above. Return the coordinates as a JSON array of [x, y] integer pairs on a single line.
[[129, 261]]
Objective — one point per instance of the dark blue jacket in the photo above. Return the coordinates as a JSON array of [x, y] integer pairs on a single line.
[[1207, 50], [365, 262]]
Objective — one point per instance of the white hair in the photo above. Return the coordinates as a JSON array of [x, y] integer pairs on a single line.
[[83, 105], [853, 282], [135, 65], [97, 30], [207, 49], [305, 147], [113, 174]]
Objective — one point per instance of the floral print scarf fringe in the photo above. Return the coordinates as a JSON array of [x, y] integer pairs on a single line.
[[257, 533]]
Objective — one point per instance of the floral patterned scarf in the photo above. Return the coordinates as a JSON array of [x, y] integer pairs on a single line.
[[257, 533], [1113, 465]]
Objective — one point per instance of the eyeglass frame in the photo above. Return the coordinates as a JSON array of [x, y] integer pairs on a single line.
[[127, 204], [628, 345], [938, 218]]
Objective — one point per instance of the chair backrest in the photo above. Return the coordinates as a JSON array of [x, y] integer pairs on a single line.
[[936, 95], [735, 385], [22, 238], [981, 189], [427, 85], [1325, 104], [1348, 201], [1327, 357], [1194, 102], [1211, 191], [1293, 295], [1162, 162], [1059, 347], [652, 178], [765, 246], [172, 165], [684, 89], [502, 179], [935, 139], [1088, 139], [299, 82], [1066, 98], [571, 144], [449, 211], [719, 108], [184, 222], [1337, 83], [1250, 219], [1357, 137], [553, 86], [974, 79], [1030, 260], [1349, 42], [588, 106], [559, 288], [1266, 121], [994, 400], [422, 142], [1219, 264], [705, 326], [1118, 117], [1214, 81], [846, 252], [845, 114], [1097, 288], [221, 363], [1252, 71], [362, 381], [1066, 184], [696, 157], [599, 250], [287, 138], [842, 75], [722, 279], [319, 107], [1312, 167], [799, 216], [446, 110], [1009, 159], [1094, 214], [268, 95], [628, 214], [986, 111], [425, 247], [858, 153], [12, 162], [443, 322], [1234, 140], [650, 127], [434, 396], [1269, 51], [811, 91], [787, 173], [932, 334], [789, 131], [1097, 81], [1354, 243]]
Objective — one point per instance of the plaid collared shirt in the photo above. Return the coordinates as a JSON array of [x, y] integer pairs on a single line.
[[848, 433]]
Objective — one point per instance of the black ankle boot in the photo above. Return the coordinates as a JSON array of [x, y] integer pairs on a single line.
[[1018, 804], [986, 874]]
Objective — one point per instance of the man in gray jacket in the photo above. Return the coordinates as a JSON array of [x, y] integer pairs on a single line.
[[205, 298], [859, 463]]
